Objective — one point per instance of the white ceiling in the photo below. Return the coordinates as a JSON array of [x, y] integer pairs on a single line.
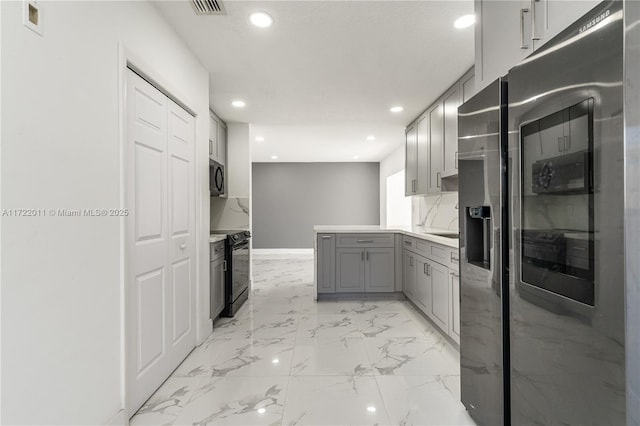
[[324, 76]]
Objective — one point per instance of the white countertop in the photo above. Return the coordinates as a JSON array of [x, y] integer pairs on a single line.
[[416, 231], [217, 237]]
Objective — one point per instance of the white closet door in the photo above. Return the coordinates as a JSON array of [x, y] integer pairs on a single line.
[[160, 240], [181, 216]]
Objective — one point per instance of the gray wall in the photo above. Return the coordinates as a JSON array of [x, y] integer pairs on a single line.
[[290, 198]]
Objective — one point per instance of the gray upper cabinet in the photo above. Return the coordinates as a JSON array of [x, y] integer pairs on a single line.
[[326, 263], [503, 37], [436, 147], [213, 138], [217, 139], [451, 103], [468, 87], [222, 143], [508, 31], [552, 16], [423, 145], [432, 141], [411, 162]]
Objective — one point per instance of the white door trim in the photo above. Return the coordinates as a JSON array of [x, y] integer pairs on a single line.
[[127, 59]]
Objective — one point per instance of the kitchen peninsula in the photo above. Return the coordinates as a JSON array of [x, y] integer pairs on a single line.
[[378, 261]]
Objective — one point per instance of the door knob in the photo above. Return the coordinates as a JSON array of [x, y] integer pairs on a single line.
[[183, 246]]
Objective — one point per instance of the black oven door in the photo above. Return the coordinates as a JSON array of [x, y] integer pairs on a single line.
[[239, 270]]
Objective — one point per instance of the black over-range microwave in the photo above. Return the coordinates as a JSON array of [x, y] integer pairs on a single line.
[[216, 178]]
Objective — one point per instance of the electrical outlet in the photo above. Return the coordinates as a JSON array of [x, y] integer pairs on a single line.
[[32, 16]]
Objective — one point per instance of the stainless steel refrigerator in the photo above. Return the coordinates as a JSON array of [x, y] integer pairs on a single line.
[[541, 211]]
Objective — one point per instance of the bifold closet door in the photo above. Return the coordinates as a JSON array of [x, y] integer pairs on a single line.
[[160, 285]]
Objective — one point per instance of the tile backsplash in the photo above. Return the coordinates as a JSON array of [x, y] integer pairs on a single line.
[[438, 211], [229, 213]]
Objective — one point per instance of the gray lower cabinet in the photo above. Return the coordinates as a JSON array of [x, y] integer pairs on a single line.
[[433, 287], [216, 277], [409, 275], [439, 308], [379, 270], [326, 263], [454, 306], [350, 270], [423, 284]]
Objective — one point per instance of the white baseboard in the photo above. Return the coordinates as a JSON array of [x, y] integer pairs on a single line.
[[282, 251], [119, 419]]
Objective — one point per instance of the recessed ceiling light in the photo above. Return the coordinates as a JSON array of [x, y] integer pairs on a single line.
[[371, 409], [259, 138], [261, 19], [396, 109], [355, 157], [274, 157], [275, 361], [465, 21], [262, 410], [371, 138], [238, 104]]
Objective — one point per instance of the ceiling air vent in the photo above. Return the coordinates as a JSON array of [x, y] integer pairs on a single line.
[[208, 7]]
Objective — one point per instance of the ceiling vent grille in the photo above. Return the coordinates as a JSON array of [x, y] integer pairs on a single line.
[[208, 7]]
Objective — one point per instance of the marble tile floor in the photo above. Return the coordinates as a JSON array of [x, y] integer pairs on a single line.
[[286, 359]]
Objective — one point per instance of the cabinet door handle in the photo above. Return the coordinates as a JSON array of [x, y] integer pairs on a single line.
[[428, 269], [438, 179], [210, 147], [567, 143], [224, 265], [326, 237], [454, 258], [410, 261], [367, 255], [425, 269], [453, 274], [407, 243], [365, 241], [560, 144], [522, 12], [533, 20], [362, 256]]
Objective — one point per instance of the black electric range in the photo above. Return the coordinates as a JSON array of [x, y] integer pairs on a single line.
[[236, 281]]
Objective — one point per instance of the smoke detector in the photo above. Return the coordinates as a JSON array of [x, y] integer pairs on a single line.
[[208, 7]]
